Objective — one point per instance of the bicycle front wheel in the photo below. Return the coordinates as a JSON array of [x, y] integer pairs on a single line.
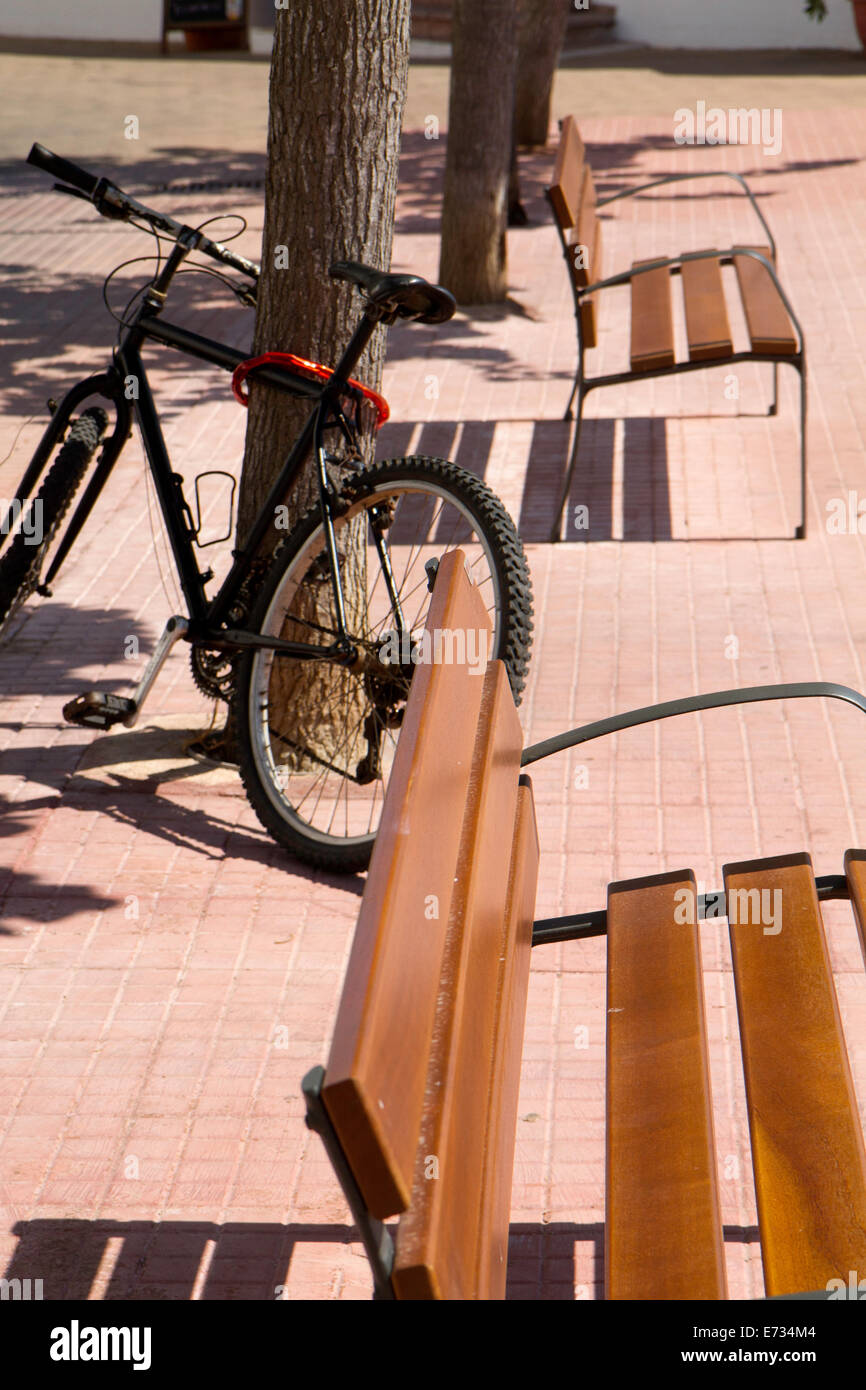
[[316, 740], [23, 562]]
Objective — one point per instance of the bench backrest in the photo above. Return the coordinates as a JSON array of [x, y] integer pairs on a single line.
[[422, 1080], [573, 199]]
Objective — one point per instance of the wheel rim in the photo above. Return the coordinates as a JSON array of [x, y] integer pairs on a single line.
[[317, 799]]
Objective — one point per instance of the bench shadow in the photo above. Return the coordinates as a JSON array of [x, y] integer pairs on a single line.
[[647, 498], [541, 1258], [589, 511], [164, 1260], [174, 1260]]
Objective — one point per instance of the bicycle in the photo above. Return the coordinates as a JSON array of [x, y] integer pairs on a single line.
[[353, 575]]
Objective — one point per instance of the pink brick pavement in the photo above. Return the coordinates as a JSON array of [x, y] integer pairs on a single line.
[[168, 976]]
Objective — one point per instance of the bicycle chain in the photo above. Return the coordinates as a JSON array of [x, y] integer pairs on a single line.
[[214, 671]]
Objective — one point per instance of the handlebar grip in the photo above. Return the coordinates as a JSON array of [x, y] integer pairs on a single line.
[[62, 169]]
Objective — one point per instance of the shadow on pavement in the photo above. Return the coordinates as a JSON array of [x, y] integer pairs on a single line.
[[170, 1260]]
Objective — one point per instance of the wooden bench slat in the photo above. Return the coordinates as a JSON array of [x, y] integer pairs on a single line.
[[770, 328], [377, 1069], [707, 326], [581, 228], [652, 325], [505, 1073], [807, 1146], [568, 175], [583, 276], [439, 1237], [663, 1232], [855, 870], [587, 216], [585, 234], [589, 306]]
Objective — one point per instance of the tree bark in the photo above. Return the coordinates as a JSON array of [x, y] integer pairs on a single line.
[[540, 35], [478, 158], [337, 91]]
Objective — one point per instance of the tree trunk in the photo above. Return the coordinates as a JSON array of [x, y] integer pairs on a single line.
[[541, 32], [516, 211], [478, 158], [337, 91]]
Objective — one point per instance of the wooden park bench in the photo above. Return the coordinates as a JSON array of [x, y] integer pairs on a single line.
[[774, 331], [418, 1104]]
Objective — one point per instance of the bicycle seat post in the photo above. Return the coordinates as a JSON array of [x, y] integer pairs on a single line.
[[371, 317]]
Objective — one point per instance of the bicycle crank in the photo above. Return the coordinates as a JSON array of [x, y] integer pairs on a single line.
[[97, 710]]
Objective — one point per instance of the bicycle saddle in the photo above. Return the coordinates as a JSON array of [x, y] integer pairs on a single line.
[[410, 296]]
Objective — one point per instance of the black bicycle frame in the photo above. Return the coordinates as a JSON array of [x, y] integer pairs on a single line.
[[209, 618]]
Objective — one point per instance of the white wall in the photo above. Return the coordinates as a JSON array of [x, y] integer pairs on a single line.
[[127, 20], [734, 24], [665, 23]]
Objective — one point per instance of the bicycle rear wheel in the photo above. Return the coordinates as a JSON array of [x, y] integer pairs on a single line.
[[316, 740], [22, 563]]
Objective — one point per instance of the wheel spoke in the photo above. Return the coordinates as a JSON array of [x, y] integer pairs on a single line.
[[319, 793]]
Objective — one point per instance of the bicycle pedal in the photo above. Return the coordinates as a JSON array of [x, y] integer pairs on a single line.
[[96, 710]]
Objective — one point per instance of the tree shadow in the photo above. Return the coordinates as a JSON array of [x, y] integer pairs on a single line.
[[51, 641], [615, 165], [42, 656], [56, 326], [194, 826], [25, 895]]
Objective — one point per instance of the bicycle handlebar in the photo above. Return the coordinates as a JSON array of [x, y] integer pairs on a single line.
[[111, 201], [62, 169]]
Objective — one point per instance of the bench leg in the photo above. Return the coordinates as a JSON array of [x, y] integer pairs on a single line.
[[376, 1238], [774, 405], [568, 411], [566, 487], [800, 533]]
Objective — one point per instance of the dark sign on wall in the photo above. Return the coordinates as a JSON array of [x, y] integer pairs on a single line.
[[191, 14]]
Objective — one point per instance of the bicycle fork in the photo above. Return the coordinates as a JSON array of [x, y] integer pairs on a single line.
[[105, 386]]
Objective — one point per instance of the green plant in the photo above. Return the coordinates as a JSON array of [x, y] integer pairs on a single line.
[[816, 9]]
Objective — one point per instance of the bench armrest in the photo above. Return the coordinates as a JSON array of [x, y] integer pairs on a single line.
[[690, 704], [706, 174]]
